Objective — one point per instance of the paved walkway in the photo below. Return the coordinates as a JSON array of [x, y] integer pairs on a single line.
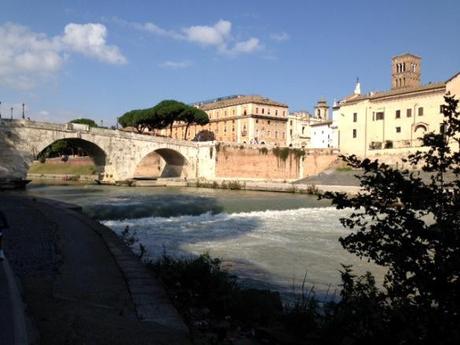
[[74, 289]]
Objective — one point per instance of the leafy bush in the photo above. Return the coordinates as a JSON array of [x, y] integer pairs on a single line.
[[412, 227]]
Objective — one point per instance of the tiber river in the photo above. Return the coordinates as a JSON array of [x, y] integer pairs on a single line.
[[268, 240]]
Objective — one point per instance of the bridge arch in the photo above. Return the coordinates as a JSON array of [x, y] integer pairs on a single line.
[[162, 162], [70, 148]]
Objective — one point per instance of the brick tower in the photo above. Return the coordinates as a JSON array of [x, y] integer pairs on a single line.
[[405, 71]]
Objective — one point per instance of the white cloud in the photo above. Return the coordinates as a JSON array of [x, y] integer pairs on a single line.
[[280, 37], [27, 57], [90, 39], [249, 46], [218, 36], [175, 64]]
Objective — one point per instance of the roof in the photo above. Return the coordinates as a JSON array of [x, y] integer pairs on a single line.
[[321, 123], [238, 100], [406, 54], [394, 92]]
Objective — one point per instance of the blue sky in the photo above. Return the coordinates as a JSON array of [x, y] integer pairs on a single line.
[[99, 59]]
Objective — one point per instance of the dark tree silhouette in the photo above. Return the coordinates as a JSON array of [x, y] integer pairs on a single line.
[[411, 226]]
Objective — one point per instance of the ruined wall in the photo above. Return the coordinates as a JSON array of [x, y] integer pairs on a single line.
[[264, 163]]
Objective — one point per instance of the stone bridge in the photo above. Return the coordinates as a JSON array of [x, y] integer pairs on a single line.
[[117, 153]]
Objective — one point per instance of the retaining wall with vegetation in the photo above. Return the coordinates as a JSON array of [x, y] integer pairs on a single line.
[[270, 163]]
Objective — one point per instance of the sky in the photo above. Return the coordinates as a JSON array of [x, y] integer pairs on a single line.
[[99, 59]]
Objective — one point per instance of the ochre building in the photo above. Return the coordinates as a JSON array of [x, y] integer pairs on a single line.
[[391, 122], [240, 119]]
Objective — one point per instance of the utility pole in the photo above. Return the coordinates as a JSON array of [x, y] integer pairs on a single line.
[[11, 109], [23, 111]]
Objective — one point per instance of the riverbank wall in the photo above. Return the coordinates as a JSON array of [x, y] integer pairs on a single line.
[[277, 163]]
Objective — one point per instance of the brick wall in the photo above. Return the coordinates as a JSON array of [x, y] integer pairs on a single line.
[[244, 162]]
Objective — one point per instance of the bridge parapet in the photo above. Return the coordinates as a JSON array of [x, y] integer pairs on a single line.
[[116, 133]]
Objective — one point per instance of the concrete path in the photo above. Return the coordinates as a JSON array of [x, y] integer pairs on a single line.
[[74, 288]]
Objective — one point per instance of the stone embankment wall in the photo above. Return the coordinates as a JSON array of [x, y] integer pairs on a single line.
[[270, 163]]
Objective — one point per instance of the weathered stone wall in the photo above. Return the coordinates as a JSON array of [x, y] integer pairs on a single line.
[[262, 163], [317, 162]]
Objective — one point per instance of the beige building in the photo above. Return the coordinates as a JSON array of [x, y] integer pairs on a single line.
[[392, 121], [241, 119], [298, 129]]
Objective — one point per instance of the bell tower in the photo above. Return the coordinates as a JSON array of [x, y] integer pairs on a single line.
[[322, 110], [405, 71]]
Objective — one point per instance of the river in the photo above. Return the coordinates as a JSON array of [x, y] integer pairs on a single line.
[[268, 240]]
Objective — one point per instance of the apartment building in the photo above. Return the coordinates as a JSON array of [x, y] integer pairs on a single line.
[[243, 119]]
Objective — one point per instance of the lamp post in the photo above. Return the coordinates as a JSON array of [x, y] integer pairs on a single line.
[[11, 109]]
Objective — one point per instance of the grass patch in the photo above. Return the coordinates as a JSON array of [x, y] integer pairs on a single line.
[[342, 169], [65, 169]]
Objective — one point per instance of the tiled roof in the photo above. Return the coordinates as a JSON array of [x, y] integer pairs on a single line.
[[329, 122], [238, 100], [394, 92]]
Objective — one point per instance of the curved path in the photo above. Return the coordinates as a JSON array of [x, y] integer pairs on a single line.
[[80, 284]]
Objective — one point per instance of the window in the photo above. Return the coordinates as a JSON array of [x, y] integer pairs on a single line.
[[441, 109], [379, 115], [257, 110], [233, 111], [284, 113], [290, 132], [268, 111], [244, 113], [257, 121], [420, 111], [355, 117], [290, 122], [354, 133], [398, 114], [398, 129], [276, 134], [276, 112], [268, 122], [303, 130], [263, 110], [409, 112]]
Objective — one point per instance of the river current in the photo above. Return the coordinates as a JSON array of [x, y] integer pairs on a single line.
[[268, 240]]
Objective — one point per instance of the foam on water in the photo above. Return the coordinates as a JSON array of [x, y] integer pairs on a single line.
[[261, 246]]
